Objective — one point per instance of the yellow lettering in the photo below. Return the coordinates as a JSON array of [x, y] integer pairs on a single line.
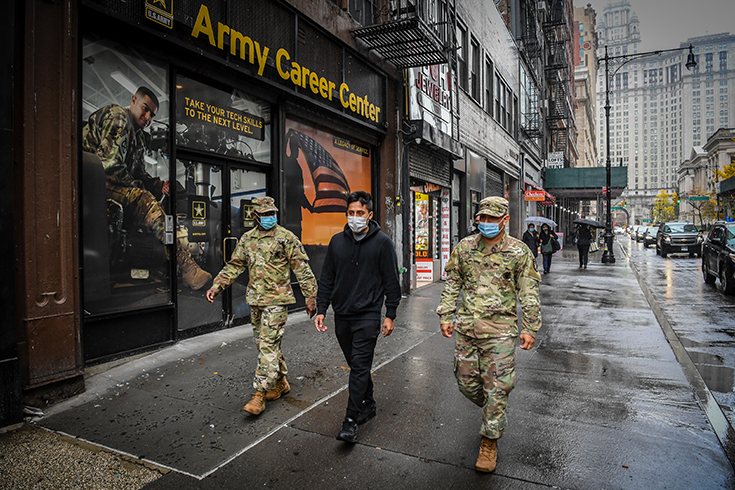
[[353, 102], [372, 112], [377, 113], [323, 85], [342, 89], [295, 73], [237, 38], [331, 89], [203, 25], [305, 76], [282, 53], [221, 31], [365, 107], [262, 58], [314, 83]]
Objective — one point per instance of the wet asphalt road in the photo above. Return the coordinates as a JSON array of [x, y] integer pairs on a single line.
[[702, 317], [601, 402]]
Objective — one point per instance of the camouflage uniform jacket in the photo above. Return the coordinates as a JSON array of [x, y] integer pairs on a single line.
[[112, 136], [491, 279], [268, 255]]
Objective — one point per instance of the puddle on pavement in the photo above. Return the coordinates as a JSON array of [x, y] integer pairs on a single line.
[[703, 358], [690, 343], [717, 378]]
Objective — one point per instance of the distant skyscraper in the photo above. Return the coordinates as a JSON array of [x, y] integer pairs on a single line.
[[659, 109]]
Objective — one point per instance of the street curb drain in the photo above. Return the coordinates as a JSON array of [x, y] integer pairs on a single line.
[[724, 431]]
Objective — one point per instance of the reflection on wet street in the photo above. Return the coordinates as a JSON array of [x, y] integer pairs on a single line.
[[702, 317]]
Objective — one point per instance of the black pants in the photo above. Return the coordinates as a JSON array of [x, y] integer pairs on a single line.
[[357, 338], [584, 251]]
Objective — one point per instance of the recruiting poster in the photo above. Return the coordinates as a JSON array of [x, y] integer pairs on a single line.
[[321, 169], [422, 237]]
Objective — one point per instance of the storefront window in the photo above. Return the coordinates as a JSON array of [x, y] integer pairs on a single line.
[[125, 168], [234, 124], [320, 170]]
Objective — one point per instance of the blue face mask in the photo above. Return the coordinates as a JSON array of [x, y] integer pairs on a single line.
[[268, 222], [489, 230]]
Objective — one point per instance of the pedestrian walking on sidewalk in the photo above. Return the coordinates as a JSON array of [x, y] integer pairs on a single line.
[[494, 270], [268, 251], [549, 245], [360, 269], [584, 239], [530, 238]]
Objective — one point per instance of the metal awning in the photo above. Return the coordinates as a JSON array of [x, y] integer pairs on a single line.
[[406, 43], [585, 182]]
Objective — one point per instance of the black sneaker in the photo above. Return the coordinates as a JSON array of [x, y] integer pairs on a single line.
[[366, 414], [349, 431]]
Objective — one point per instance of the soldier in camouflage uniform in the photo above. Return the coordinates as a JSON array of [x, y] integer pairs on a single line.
[[268, 251], [493, 269], [118, 138]]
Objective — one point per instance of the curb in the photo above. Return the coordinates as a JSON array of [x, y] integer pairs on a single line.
[[720, 424]]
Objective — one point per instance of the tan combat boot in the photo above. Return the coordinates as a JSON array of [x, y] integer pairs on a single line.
[[282, 387], [193, 277], [256, 405], [488, 455]]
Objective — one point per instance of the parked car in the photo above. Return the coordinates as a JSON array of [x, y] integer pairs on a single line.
[[718, 256], [649, 236], [618, 230], [678, 237], [633, 231]]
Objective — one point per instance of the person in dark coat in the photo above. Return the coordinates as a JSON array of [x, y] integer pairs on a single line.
[[546, 239], [530, 238], [584, 239], [359, 272]]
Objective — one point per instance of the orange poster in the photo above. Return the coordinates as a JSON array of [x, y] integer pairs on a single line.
[[321, 169]]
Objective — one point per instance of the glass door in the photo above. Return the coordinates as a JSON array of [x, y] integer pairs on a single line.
[[199, 235], [214, 210], [244, 186]]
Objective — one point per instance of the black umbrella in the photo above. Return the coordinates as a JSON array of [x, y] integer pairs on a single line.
[[589, 222]]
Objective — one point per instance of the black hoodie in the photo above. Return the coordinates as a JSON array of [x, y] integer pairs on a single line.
[[357, 275]]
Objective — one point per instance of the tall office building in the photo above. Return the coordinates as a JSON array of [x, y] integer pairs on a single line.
[[659, 109]]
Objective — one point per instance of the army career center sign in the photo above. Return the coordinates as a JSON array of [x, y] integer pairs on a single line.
[[220, 35]]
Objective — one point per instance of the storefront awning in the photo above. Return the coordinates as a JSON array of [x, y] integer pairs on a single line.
[[727, 188]]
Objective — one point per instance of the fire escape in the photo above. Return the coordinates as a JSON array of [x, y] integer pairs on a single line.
[[410, 33], [557, 77], [532, 50]]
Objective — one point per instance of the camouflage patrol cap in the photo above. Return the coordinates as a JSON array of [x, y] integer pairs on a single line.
[[494, 206], [264, 205]]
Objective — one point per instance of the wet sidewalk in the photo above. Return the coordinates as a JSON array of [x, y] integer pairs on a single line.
[[600, 402]]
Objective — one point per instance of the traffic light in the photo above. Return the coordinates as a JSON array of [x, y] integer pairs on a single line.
[[678, 200], [624, 204]]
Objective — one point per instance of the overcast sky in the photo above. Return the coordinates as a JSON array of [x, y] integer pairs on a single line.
[[667, 23]]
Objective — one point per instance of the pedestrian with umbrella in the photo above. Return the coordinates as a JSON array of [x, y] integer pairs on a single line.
[[584, 239], [549, 245], [530, 238]]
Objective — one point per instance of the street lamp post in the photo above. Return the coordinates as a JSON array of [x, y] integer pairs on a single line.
[[608, 257]]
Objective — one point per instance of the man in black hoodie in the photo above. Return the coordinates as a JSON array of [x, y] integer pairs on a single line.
[[359, 270]]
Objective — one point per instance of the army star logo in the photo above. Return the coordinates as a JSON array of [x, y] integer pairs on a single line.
[[199, 210]]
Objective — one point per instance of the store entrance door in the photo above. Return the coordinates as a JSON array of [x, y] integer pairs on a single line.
[[212, 215]]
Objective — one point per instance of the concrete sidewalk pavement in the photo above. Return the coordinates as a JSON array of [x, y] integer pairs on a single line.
[[601, 402]]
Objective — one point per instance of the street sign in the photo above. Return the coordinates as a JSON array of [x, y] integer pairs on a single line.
[[618, 207], [699, 198], [556, 160]]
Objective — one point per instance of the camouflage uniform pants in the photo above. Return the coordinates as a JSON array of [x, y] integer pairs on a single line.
[[485, 372], [141, 205], [269, 322]]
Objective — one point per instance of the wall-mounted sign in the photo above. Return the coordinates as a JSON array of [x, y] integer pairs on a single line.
[[555, 160], [227, 38], [535, 195], [246, 213], [160, 12], [430, 97], [424, 270]]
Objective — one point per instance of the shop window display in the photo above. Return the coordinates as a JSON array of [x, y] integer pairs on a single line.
[[125, 168]]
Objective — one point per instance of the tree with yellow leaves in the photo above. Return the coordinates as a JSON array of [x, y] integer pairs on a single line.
[[725, 173], [664, 207]]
